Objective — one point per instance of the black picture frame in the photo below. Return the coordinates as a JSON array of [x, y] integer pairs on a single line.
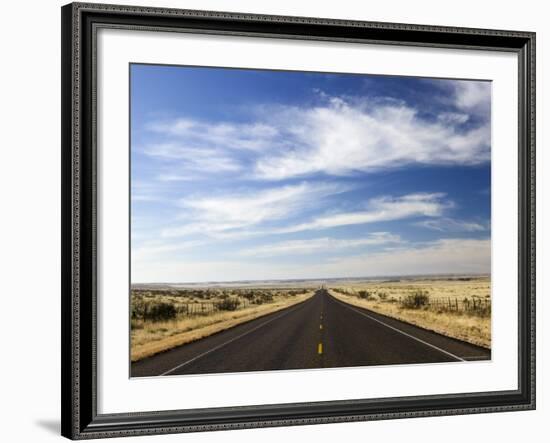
[[79, 175]]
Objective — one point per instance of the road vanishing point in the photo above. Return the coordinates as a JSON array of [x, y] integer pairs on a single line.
[[321, 332]]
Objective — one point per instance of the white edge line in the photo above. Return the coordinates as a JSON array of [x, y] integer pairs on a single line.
[[221, 345], [400, 331]]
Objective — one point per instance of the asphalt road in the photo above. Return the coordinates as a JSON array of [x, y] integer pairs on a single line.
[[321, 332]]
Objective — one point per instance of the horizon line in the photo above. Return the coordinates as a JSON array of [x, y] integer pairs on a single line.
[[446, 274]]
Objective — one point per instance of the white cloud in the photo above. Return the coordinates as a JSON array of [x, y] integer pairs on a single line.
[[344, 137], [453, 118], [317, 245], [234, 216], [213, 215], [473, 96], [340, 136], [448, 224], [247, 136], [188, 162], [381, 209]]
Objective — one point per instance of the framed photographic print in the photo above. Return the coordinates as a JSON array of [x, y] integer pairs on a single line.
[[256, 206]]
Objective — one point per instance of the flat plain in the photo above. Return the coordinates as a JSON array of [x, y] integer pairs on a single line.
[[451, 314]]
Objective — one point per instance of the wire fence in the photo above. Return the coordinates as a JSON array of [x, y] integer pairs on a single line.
[[207, 308], [471, 305]]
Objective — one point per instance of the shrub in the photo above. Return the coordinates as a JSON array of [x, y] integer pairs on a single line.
[[416, 300], [228, 304], [249, 295], [262, 297], [159, 310], [153, 310]]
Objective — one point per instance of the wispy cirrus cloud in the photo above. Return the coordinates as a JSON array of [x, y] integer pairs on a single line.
[[381, 209], [227, 135], [446, 224], [188, 163], [346, 137], [225, 216], [338, 136], [318, 245], [229, 212]]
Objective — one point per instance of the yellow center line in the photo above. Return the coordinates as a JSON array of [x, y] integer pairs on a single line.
[[320, 348], [320, 326]]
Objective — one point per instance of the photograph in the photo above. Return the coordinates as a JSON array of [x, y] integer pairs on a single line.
[[295, 220]]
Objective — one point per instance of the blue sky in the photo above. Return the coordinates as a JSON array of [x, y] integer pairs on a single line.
[[250, 175]]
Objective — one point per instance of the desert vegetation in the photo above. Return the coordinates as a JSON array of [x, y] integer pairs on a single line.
[[458, 307], [164, 318]]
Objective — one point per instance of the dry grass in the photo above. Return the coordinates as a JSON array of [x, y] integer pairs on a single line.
[[437, 287], [386, 298], [149, 338]]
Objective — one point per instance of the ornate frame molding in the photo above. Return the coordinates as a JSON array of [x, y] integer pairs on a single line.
[[79, 391]]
